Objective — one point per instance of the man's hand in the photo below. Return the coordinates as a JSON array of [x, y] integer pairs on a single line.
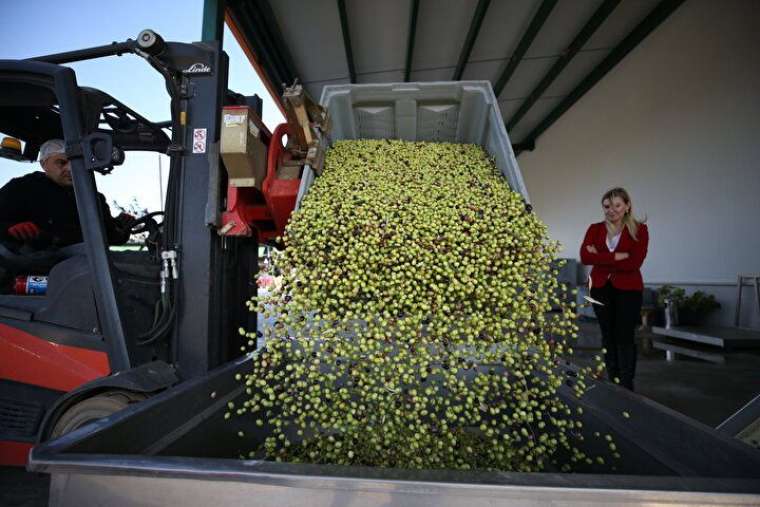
[[621, 256], [125, 221], [24, 231], [591, 249]]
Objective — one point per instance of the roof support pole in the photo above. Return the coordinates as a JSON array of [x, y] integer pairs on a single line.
[[213, 20]]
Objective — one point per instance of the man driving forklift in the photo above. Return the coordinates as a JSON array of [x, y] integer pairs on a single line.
[[39, 210]]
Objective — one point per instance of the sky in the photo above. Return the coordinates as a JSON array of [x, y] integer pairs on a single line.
[[39, 27]]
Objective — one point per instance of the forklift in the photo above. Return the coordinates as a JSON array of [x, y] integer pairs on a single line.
[[116, 327]]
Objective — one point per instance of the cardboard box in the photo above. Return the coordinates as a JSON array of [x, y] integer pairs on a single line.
[[243, 153]]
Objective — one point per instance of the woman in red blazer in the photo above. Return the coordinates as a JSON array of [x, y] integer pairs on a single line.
[[616, 249]]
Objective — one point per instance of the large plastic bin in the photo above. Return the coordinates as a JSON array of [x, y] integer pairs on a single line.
[[454, 112]]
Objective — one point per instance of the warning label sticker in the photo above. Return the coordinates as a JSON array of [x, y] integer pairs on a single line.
[[199, 140]]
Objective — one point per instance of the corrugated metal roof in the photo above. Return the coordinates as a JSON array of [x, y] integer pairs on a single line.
[[314, 48]]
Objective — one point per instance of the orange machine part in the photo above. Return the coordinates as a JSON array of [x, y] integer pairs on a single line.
[[27, 359], [280, 194], [246, 214]]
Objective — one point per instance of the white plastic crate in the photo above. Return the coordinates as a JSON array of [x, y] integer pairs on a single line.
[[456, 111]]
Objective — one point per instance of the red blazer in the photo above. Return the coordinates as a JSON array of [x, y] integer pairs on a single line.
[[625, 274]]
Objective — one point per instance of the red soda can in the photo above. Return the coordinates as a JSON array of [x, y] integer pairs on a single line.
[[30, 285]]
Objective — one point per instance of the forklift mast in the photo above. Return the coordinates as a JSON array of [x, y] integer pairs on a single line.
[[208, 276]]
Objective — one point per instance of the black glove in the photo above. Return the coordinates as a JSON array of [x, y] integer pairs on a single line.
[[125, 221]]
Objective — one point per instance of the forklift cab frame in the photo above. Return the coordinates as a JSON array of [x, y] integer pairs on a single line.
[[42, 101]]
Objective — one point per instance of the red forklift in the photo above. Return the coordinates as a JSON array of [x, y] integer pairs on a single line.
[[115, 327]]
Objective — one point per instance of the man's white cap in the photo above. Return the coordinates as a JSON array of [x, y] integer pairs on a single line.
[[52, 147]]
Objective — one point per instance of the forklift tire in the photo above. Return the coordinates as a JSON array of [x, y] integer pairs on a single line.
[[85, 411]]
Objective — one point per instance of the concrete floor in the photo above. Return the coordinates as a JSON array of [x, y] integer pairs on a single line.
[[706, 392]]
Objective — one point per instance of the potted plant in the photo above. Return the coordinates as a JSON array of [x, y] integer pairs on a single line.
[[695, 307], [682, 309]]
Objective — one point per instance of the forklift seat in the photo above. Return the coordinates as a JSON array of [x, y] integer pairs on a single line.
[[70, 298]]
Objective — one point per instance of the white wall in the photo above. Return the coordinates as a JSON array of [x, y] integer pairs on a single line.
[[677, 123]]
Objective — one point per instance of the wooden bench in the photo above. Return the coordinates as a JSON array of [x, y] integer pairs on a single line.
[[728, 338], [673, 349]]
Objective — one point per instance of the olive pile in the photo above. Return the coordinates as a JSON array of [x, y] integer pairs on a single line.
[[413, 326]]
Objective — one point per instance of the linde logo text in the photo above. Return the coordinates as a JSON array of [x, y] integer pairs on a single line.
[[198, 68]]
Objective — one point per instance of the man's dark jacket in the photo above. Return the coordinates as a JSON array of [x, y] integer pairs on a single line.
[[53, 208]]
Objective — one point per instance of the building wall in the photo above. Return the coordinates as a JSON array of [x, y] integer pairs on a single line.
[[677, 123]]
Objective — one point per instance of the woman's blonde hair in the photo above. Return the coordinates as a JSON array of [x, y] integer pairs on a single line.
[[629, 220]]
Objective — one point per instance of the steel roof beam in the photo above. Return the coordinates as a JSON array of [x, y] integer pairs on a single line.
[[410, 40], [522, 47], [346, 40], [652, 21], [472, 35], [575, 46]]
